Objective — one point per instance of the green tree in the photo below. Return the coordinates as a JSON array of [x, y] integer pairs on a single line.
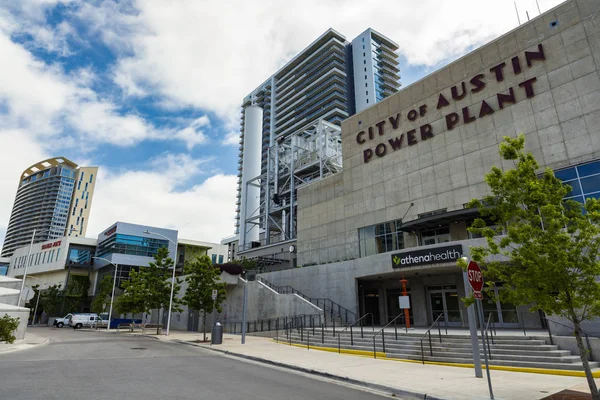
[[51, 298], [8, 326], [150, 287], [551, 245], [34, 300], [202, 278], [248, 264], [102, 299]]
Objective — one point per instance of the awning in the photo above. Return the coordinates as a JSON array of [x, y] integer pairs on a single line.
[[435, 220]]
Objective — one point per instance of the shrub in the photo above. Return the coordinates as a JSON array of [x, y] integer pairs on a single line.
[[8, 326]]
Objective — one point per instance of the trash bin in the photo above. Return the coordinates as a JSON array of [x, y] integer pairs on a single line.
[[217, 334]]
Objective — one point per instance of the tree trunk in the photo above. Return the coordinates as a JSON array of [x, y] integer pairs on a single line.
[[586, 364], [204, 324]]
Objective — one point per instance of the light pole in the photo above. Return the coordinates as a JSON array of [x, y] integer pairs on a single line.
[[147, 232], [37, 301], [112, 296]]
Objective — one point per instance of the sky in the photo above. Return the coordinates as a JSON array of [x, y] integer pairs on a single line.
[[150, 91]]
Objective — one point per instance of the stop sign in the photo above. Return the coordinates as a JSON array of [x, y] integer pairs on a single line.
[[475, 277]]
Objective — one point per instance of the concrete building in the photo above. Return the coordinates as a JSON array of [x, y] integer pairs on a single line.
[[289, 117], [412, 161], [54, 198]]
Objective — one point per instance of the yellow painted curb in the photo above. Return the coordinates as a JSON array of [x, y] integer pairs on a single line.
[[382, 356], [362, 353]]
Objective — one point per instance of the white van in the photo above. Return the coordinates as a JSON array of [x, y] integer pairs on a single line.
[[86, 321], [60, 322]]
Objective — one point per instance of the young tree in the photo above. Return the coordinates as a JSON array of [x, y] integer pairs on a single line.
[[551, 243], [8, 326], [51, 298], [203, 278], [99, 304], [150, 287]]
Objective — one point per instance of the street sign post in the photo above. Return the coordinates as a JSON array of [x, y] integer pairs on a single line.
[[475, 278]]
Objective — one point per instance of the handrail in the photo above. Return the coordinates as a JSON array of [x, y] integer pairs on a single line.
[[487, 338], [383, 335], [351, 335], [428, 333], [548, 320], [328, 305]]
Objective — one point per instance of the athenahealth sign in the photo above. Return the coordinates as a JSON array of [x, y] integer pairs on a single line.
[[429, 256]]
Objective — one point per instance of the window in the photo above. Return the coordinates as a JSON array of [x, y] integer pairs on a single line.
[[221, 259], [434, 236], [365, 71], [129, 244], [91, 177], [44, 258], [367, 92], [366, 85], [81, 176], [364, 54], [365, 62], [367, 100], [380, 238], [214, 258], [584, 181], [57, 253]]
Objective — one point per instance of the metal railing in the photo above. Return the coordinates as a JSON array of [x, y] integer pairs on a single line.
[[548, 321], [351, 334], [271, 324], [487, 336], [328, 306], [428, 333], [382, 331]]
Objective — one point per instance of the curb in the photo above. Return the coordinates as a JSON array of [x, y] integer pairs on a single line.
[[388, 389], [24, 346]]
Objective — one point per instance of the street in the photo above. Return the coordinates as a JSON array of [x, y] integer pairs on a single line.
[[90, 365]]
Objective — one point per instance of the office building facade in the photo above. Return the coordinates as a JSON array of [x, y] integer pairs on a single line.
[[54, 198], [293, 114], [412, 161]]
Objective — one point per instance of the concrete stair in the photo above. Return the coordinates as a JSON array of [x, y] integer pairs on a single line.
[[509, 351]]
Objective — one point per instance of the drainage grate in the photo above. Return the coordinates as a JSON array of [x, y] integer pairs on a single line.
[[139, 348]]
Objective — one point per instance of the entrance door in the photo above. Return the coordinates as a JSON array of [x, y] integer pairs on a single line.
[[444, 301], [371, 301]]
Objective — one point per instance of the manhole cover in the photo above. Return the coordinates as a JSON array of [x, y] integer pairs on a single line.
[[138, 348]]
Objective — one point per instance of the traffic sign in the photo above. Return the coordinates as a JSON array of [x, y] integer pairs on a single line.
[[214, 294], [475, 277], [478, 295]]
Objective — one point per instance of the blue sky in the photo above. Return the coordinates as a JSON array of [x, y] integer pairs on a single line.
[[150, 90]]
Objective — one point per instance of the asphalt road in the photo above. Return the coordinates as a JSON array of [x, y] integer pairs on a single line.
[[86, 365]]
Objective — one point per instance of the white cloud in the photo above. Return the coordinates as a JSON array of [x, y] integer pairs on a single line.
[[41, 98], [212, 56], [151, 197], [21, 151], [231, 139]]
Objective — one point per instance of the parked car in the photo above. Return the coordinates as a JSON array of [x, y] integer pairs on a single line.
[[87, 320], [60, 322]]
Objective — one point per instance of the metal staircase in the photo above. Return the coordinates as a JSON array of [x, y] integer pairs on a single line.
[[333, 313]]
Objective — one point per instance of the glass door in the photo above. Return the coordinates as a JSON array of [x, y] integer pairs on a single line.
[[444, 301]]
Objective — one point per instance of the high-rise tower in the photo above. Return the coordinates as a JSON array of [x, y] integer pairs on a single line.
[[54, 197]]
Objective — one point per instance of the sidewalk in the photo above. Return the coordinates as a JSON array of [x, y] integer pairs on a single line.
[[31, 340], [410, 380]]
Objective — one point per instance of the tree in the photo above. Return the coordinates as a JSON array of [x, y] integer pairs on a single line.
[[551, 243], [34, 300], [99, 304], [150, 287], [203, 278], [248, 264], [8, 326], [50, 299]]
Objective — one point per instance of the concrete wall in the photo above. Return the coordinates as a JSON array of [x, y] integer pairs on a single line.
[[263, 303], [561, 121], [16, 312]]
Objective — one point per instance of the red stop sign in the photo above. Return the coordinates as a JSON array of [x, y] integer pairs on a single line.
[[475, 277]]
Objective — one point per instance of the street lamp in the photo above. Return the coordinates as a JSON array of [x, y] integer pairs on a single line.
[[37, 301], [147, 232], [28, 260], [112, 296]]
